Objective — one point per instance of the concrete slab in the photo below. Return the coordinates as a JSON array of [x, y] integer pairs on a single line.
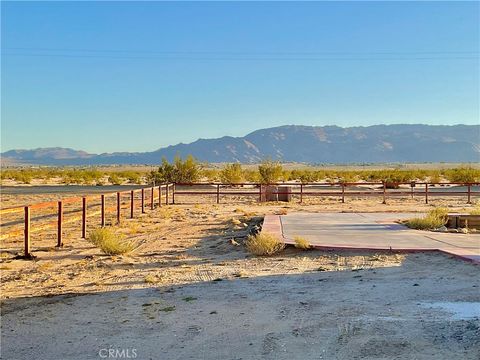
[[375, 231]]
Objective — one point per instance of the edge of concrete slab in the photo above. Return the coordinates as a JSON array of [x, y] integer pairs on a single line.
[[273, 224]]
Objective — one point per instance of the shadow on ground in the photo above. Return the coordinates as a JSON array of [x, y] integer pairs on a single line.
[[375, 313]]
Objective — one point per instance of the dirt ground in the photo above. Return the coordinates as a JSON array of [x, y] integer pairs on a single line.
[[191, 290]]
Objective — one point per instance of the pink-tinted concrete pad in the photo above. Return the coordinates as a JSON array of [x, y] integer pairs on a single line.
[[375, 231]]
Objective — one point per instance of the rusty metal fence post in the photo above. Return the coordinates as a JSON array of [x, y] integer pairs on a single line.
[[469, 193], [152, 206], [343, 193], [59, 224], [301, 193], [84, 217], [119, 207], [384, 193], [132, 195], [173, 193], [260, 193], [102, 211], [27, 233], [218, 193], [426, 193], [159, 195], [143, 201], [166, 194]]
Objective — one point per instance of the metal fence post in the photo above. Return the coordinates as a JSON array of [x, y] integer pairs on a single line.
[[343, 193], [159, 195], [151, 200], [102, 211], [218, 193], [132, 202], [301, 193], [426, 193], [118, 208], [166, 194], [143, 201], [260, 193], [59, 225], [27, 233], [469, 193], [173, 193], [384, 193], [84, 217]]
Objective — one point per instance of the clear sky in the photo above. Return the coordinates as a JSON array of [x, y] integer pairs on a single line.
[[125, 76]]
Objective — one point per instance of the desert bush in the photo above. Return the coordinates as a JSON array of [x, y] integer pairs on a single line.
[[305, 176], [435, 218], [264, 244], [114, 179], [348, 176], [232, 174], [25, 177], [133, 177], [82, 176], [464, 174], [251, 176], [301, 243], [211, 175], [180, 171], [187, 171], [270, 172], [435, 177], [109, 242]]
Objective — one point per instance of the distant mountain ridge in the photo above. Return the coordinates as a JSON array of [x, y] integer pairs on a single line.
[[294, 143]]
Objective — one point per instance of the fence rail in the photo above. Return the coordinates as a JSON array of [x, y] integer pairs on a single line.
[[156, 195], [96, 205], [337, 189]]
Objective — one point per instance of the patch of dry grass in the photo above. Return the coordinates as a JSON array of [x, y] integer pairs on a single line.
[[45, 266], [434, 219], [151, 279], [264, 244], [109, 242], [301, 243], [245, 213], [235, 221], [166, 212], [476, 210]]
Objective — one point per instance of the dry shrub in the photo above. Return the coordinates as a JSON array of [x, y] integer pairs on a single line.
[[264, 244], [235, 221], [301, 243], [476, 210], [151, 279], [434, 219], [109, 242], [166, 212]]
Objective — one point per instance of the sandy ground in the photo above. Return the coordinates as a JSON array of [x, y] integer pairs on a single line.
[[190, 290], [394, 312]]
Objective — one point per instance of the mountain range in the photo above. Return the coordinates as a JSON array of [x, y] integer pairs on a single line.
[[293, 143]]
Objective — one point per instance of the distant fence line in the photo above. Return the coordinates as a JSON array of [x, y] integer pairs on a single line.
[[301, 190], [169, 194]]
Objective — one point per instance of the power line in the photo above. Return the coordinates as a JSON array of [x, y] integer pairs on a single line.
[[244, 52], [200, 58]]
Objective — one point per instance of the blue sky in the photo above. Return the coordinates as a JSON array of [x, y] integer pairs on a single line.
[[103, 76]]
